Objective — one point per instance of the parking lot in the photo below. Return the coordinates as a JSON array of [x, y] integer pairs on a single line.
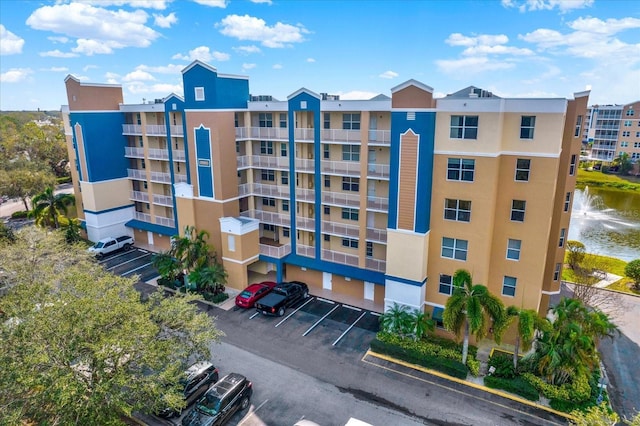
[[136, 261]]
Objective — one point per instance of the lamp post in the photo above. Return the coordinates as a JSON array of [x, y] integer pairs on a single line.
[[601, 384]]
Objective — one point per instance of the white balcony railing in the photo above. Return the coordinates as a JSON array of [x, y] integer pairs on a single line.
[[177, 131], [179, 155], [351, 168], [178, 178], [160, 177], [271, 218], [304, 134], [276, 252], [378, 203], [379, 171], [162, 200], [270, 162], [131, 129], [379, 137], [341, 198], [303, 194], [280, 133], [305, 165], [156, 129], [377, 235], [133, 152], [165, 221], [340, 135], [307, 251], [376, 264], [143, 197], [144, 217], [274, 191], [339, 257], [340, 229], [158, 154], [137, 174], [305, 223]]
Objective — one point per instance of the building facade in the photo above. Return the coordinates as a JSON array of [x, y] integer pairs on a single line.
[[371, 202], [613, 130]]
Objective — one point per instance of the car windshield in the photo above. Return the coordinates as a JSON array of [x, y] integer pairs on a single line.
[[210, 404], [99, 245], [246, 294]]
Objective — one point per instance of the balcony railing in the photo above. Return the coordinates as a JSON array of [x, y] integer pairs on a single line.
[[275, 191], [178, 178], [133, 152], [304, 134], [339, 257], [307, 251], [341, 198], [270, 218], [156, 130], [143, 197], [305, 165], [177, 131], [340, 135], [376, 264], [162, 200], [160, 177], [158, 154], [179, 155], [340, 229], [137, 174], [305, 223], [144, 217], [165, 221], [303, 194], [350, 168], [380, 171], [280, 133], [379, 137], [377, 235], [131, 129], [274, 251], [378, 203]]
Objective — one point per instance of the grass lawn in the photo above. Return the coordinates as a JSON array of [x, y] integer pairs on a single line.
[[608, 264], [594, 178]]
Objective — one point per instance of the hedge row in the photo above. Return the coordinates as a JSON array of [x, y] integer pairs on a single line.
[[518, 385], [444, 365]]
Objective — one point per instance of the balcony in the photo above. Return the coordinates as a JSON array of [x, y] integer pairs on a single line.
[[306, 224], [348, 168], [304, 135], [277, 252], [308, 195], [378, 171], [158, 154], [273, 191], [165, 221], [340, 229], [339, 257], [341, 198], [156, 130], [142, 197], [378, 203], [305, 165], [177, 131], [339, 135], [144, 217], [160, 177], [270, 162], [162, 200], [262, 133], [270, 218], [179, 155], [178, 178], [380, 137], [137, 174], [307, 251], [133, 152], [132, 129], [376, 264], [377, 235]]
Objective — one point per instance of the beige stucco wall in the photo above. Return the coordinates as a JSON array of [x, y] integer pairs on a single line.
[[83, 97], [407, 254], [105, 195]]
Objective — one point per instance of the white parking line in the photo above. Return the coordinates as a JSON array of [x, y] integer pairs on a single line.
[[320, 320], [348, 329], [254, 315], [375, 313], [326, 300], [352, 308], [252, 412], [127, 261], [133, 270], [103, 260], [289, 316]]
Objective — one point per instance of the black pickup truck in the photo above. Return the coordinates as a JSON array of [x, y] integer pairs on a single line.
[[281, 297]]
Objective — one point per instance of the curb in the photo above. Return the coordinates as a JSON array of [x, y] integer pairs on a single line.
[[467, 383]]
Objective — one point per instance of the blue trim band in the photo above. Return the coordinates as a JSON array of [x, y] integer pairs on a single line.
[[109, 210], [151, 227], [406, 281]]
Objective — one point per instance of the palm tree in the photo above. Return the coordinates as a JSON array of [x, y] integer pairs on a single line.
[[168, 266], [420, 324], [528, 322], [209, 278], [469, 307], [396, 320], [47, 206]]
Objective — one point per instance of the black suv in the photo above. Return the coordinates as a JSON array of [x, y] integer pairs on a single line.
[[196, 381], [222, 400]]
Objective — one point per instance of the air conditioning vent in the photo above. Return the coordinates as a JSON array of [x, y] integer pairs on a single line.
[[411, 116]]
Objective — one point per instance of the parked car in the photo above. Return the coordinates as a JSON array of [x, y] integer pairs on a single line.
[[110, 244], [253, 293], [196, 381], [282, 296], [222, 400]]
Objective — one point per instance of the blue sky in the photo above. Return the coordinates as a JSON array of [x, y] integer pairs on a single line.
[[357, 49]]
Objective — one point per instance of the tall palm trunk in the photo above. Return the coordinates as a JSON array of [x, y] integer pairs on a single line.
[[465, 343], [515, 352]]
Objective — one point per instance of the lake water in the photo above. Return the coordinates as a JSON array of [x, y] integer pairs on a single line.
[[607, 222]]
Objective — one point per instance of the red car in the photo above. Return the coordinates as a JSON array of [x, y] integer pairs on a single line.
[[253, 293]]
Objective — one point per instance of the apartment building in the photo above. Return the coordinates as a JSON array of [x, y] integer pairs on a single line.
[[368, 201], [613, 130]]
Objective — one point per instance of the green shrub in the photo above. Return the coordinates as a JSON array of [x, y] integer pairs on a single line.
[[516, 385], [549, 391], [63, 179], [474, 366], [448, 366], [19, 215], [503, 365], [433, 345], [215, 298]]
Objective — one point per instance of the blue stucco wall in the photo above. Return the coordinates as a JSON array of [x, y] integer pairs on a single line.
[[203, 152], [219, 92]]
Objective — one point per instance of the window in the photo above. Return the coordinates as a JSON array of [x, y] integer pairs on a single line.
[[567, 202], [146, 186], [637, 135], [143, 165], [266, 147], [327, 182], [453, 248], [437, 316], [509, 286], [349, 242], [527, 124], [522, 169], [563, 235], [446, 284], [369, 249], [199, 94], [464, 127], [327, 210], [572, 165], [237, 147], [284, 178], [268, 175], [350, 152], [268, 227], [285, 205], [517, 210], [283, 120], [459, 210], [350, 214], [286, 232], [283, 150], [235, 119], [629, 113], [513, 249], [140, 141], [556, 272], [271, 202], [327, 237], [351, 121], [578, 126], [351, 184], [325, 151], [460, 169], [265, 119], [626, 134], [326, 120], [627, 123]]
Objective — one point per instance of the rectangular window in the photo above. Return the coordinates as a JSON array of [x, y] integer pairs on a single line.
[[453, 248], [326, 120], [509, 286], [327, 237], [459, 210], [563, 235], [286, 232], [369, 249], [268, 175], [464, 127], [325, 151], [629, 113], [143, 164], [283, 150], [140, 141], [627, 123], [446, 284], [271, 202], [578, 126], [351, 121], [237, 147], [285, 205], [522, 169], [527, 124], [199, 93], [350, 214], [231, 242], [327, 182], [556, 272], [517, 210], [350, 152], [513, 249], [349, 242], [567, 202], [269, 228], [460, 169], [283, 120], [235, 119], [572, 165], [266, 147], [351, 184], [284, 178], [265, 119], [327, 210]]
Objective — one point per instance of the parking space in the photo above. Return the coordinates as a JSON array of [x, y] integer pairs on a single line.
[[136, 261]]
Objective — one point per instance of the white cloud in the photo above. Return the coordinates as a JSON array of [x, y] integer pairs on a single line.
[[97, 30], [159, 89], [247, 49], [89, 67], [57, 39], [262, 1], [15, 75], [111, 75], [55, 69], [562, 5], [388, 74], [246, 67], [10, 44], [356, 95], [163, 69], [277, 66], [165, 21], [212, 3], [471, 65], [136, 4], [255, 29], [138, 75], [485, 44], [203, 53], [310, 60], [58, 54]]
